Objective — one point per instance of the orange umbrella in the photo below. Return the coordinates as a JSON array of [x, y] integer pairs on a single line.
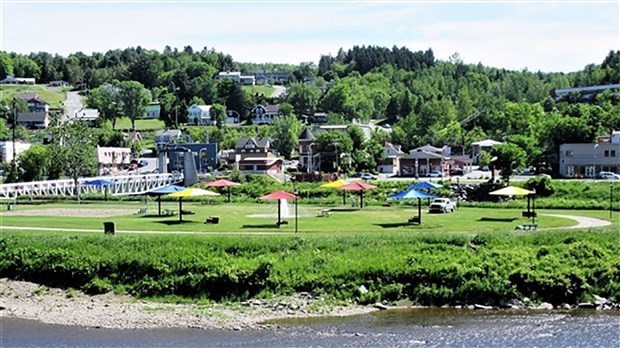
[[223, 183], [279, 195], [358, 186]]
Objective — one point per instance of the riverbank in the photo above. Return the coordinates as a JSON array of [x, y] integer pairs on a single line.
[[26, 300]]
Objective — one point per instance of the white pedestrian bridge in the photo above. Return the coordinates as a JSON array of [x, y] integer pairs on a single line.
[[121, 185]]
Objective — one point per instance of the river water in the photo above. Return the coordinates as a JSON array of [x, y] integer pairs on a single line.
[[394, 328]]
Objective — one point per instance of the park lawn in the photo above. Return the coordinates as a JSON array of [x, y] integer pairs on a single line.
[[53, 98], [256, 218], [261, 90], [141, 124]]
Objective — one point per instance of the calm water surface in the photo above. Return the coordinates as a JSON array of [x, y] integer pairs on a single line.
[[394, 328]]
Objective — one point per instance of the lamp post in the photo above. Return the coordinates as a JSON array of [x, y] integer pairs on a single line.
[[296, 193], [336, 150]]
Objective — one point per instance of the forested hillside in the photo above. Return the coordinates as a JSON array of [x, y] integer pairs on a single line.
[[425, 100]]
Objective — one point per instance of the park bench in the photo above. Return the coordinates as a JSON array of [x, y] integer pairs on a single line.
[[530, 227], [529, 214], [212, 220], [141, 211], [414, 220]]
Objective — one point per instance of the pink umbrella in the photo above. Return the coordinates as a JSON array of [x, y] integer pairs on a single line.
[[279, 195], [358, 186], [223, 183]]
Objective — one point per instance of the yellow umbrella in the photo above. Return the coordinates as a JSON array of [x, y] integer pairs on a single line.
[[190, 192], [517, 191], [337, 184], [511, 191]]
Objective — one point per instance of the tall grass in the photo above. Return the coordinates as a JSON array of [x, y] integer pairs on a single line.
[[427, 268]]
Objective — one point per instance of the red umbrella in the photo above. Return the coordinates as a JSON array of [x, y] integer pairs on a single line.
[[223, 183], [279, 195], [358, 186]]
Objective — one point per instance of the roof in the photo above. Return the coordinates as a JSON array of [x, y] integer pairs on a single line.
[[201, 107], [486, 143], [428, 148], [266, 160], [269, 108], [169, 133], [31, 117], [306, 135], [87, 113], [28, 96], [258, 142]]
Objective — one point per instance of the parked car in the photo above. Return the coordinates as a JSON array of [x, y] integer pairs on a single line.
[[435, 174], [368, 176], [457, 172], [608, 176], [442, 205]]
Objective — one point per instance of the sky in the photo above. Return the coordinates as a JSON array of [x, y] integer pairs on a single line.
[[548, 36]]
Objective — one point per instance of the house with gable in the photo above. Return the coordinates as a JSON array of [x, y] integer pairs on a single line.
[[391, 162], [199, 115], [423, 160], [254, 156], [308, 152], [90, 116], [265, 114]]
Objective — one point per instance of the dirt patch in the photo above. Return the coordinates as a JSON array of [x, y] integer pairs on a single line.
[[75, 212]]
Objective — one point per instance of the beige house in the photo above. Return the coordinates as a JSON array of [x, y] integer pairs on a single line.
[[112, 159]]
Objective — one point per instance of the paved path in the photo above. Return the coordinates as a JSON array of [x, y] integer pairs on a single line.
[[72, 104], [278, 91], [582, 221]]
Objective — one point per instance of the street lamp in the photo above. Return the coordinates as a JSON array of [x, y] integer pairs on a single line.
[[336, 150], [296, 193]]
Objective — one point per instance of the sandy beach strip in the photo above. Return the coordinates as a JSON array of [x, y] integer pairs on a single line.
[[26, 300]]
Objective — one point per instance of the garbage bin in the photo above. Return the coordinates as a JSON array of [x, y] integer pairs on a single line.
[[109, 227]]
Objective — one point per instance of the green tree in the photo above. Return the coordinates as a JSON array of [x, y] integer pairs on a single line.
[[106, 99], [508, 158], [73, 148], [33, 163], [218, 114], [134, 98], [304, 98], [286, 130], [330, 146], [6, 65]]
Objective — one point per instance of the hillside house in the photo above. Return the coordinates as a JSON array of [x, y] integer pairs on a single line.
[[265, 114], [33, 120], [199, 115]]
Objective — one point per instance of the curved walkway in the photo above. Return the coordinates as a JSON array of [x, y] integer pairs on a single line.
[[582, 221]]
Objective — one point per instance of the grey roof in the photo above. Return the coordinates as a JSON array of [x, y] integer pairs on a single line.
[[306, 135], [31, 117], [258, 142], [28, 96]]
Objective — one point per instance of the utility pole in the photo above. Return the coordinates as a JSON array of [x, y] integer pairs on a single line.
[[13, 162]]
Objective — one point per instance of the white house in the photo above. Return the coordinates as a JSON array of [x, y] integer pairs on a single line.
[[6, 148], [237, 77], [89, 116], [391, 162], [483, 145], [199, 115], [265, 114], [19, 80], [152, 110]]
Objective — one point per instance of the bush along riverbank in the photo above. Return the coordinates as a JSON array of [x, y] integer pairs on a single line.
[[561, 268]]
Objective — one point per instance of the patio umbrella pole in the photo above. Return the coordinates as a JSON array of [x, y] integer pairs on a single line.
[[361, 199], [279, 221], [159, 205], [344, 197], [180, 209], [228, 194], [420, 209]]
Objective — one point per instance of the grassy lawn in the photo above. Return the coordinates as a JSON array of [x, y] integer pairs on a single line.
[[141, 124], [53, 98], [255, 218], [264, 90]]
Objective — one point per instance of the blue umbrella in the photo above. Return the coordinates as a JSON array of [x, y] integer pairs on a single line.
[[424, 185], [164, 191], [100, 182], [411, 194]]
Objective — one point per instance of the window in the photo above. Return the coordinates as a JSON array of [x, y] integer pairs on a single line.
[[613, 153], [606, 153]]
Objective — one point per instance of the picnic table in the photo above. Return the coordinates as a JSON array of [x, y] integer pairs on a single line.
[[169, 212]]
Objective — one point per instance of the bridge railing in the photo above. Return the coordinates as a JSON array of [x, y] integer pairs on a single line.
[[121, 185]]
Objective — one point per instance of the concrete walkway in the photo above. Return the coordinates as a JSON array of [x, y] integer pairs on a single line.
[[582, 221]]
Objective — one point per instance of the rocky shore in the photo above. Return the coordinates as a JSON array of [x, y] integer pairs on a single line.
[[27, 300]]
